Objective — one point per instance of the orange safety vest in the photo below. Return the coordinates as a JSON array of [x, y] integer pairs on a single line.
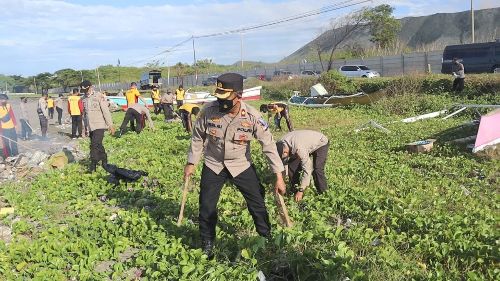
[[74, 107], [6, 120]]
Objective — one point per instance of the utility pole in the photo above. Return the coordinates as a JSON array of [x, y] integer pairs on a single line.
[[81, 75], [98, 79], [241, 48], [168, 73], [34, 82], [194, 64], [472, 20]]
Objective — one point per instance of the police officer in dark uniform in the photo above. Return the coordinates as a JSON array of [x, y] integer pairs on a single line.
[[227, 126]]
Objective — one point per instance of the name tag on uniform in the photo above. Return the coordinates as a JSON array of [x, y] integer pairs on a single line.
[[246, 130], [210, 124], [215, 120], [246, 124]]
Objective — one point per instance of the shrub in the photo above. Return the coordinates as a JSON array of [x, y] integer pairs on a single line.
[[337, 83]]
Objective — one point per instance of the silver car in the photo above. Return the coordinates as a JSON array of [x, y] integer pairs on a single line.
[[358, 71]]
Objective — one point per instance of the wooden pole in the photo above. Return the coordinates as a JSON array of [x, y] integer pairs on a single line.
[[183, 202], [282, 210]]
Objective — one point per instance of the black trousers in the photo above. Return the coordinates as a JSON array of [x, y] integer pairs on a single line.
[[157, 108], [458, 84], [44, 124], [97, 152], [247, 183], [187, 123], [51, 112], [9, 141], [168, 110], [318, 173], [283, 114], [179, 103], [59, 115], [25, 129], [130, 116], [76, 125]]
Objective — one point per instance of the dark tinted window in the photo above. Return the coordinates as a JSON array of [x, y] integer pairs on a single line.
[[349, 68], [364, 67], [497, 51], [477, 52]]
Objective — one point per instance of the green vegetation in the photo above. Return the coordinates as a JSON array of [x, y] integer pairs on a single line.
[[388, 215]]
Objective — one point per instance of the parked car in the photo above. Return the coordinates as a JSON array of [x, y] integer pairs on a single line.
[[476, 58], [309, 73], [358, 71], [282, 72], [209, 81]]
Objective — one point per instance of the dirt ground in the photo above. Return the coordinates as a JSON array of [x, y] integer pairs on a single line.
[[58, 135]]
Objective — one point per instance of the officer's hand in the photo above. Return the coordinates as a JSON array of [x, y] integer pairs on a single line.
[[111, 130], [279, 186], [298, 196], [188, 170]]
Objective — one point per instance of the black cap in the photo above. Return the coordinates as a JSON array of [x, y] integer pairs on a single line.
[[228, 83], [85, 84], [279, 146]]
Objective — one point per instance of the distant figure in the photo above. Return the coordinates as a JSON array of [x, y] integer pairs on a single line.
[[75, 109], [167, 102], [133, 96], [459, 74], [43, 115], [279, 110], [186, 111], [136, 112], [179, 96], [155, 96], [7, 128], [59, 108], [99, 116], [85, 119], [26, 130], [50, 106]]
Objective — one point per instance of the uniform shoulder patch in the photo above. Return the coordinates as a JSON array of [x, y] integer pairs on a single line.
[[263, 123]]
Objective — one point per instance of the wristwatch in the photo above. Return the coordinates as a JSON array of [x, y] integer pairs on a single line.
[[301, 189]]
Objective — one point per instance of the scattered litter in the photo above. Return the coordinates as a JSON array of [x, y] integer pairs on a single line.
[[7, 210], [373, 124], [376, 242], [420, 146], [465, 191], [261, 276], [113, 217], [5, 233]]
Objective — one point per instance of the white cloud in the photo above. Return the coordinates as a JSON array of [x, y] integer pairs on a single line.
[[47, 35]]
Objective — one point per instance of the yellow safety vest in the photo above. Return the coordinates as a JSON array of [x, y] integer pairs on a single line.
[[188, 107], [4, 113], [50, 103], [73, 105], [132, 96], [155, 96], [179, 94]]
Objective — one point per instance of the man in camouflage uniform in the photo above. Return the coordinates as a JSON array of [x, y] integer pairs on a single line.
[[226, 127]]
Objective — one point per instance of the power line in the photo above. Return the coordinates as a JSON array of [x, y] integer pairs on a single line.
[[322, 10]]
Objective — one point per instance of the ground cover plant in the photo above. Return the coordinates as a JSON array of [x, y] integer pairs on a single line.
[[388, 215]]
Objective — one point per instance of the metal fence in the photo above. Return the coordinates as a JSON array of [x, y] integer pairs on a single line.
[[385, 65]]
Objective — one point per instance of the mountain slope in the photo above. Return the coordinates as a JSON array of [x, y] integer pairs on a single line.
[[433, 31]]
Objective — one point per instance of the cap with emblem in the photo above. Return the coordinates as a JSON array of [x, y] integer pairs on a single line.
[[85, 84], [228, 83]]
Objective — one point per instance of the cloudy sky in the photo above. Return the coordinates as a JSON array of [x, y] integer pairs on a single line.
[[48, 35]]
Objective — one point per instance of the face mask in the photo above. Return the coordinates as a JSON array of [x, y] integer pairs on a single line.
[[225, 105], [286, 160]]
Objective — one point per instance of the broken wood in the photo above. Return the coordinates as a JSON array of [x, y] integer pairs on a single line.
[[183, 203], [282, 210]]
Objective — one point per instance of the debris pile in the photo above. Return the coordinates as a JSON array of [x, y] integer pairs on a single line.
[[28, 164]]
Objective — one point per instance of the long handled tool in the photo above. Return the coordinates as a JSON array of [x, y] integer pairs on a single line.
[[282, 210], [183, 203]]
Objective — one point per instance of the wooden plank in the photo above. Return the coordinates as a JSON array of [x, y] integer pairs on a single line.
[[282, 210]]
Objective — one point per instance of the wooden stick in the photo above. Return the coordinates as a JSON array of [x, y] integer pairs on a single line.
[[282, 210], [183, 203]]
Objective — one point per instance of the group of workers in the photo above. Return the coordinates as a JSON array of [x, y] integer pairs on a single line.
[[221, 134]]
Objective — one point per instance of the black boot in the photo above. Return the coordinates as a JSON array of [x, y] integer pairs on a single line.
[[92, 167], [208, 248]]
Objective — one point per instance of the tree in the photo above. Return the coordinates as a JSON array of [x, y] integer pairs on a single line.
[[383, 26], [44, 81], [67, 77]]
